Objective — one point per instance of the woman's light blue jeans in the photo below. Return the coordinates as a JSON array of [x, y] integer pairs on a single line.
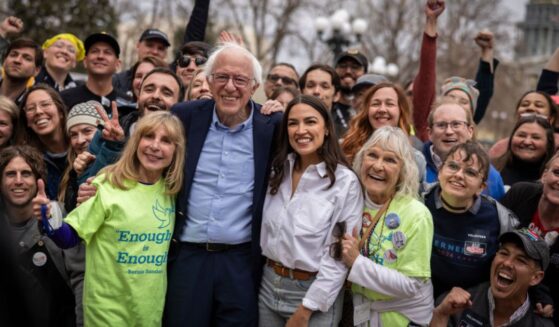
[[280, 296]]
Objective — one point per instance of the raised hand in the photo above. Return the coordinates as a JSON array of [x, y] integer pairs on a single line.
[[86, 191], [112, 130], [82, 161], [434, 8], [230, 37], [485, 40], [11, 26], [40, 199]]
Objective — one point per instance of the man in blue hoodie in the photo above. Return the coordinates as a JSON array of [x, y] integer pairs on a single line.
[[450, 124]]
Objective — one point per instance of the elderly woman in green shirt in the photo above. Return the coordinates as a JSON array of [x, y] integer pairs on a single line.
[[389, 262]]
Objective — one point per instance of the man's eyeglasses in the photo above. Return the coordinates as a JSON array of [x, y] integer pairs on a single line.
[[338, 232], [185, 60], [284, 79], [455, 167], [238, 80], [454, 125]]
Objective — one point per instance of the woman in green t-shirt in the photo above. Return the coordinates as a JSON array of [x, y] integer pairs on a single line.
[[127, 225], [389, 263]]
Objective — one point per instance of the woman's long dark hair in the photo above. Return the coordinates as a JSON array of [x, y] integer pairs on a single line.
[[330, 151], [24, 133], [508, 157]]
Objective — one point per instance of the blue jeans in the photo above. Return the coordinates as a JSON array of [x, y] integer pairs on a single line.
[[280, 296]]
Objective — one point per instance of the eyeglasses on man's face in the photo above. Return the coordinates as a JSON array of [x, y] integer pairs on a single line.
[[238, 80], [455, 125]]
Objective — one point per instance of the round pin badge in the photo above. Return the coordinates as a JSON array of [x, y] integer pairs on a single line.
[[39, 259], [392, 220], [390, 256], [399, 239]]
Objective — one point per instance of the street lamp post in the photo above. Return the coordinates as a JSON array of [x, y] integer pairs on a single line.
[[380, 66], [343, 32]]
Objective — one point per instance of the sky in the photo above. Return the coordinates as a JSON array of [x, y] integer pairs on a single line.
[[517, 8]]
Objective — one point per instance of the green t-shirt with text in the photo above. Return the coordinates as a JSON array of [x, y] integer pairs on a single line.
[[127, 235]]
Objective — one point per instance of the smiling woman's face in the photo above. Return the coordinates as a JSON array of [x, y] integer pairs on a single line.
[[306, 129], [380, 173], [384, 108], [533, 103], [200, 89], [41, 113], [461, 181]]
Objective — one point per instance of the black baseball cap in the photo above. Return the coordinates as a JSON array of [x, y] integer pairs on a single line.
[[155, 34], [356, 55], [102, 37]]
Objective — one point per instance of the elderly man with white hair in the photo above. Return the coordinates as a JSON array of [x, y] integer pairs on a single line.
[[216, 264]]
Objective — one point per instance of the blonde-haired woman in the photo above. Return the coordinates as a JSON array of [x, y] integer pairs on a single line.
[[198, 88], [390, 265], [127, 226], [9, 112]]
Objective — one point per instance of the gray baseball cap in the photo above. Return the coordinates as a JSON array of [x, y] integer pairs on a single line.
[[534, 246], [367, 80]]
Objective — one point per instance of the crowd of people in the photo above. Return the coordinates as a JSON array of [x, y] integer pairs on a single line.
[[163, 194]]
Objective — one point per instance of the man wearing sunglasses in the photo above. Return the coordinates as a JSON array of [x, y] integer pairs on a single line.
[[192, 56], [281, 74]]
